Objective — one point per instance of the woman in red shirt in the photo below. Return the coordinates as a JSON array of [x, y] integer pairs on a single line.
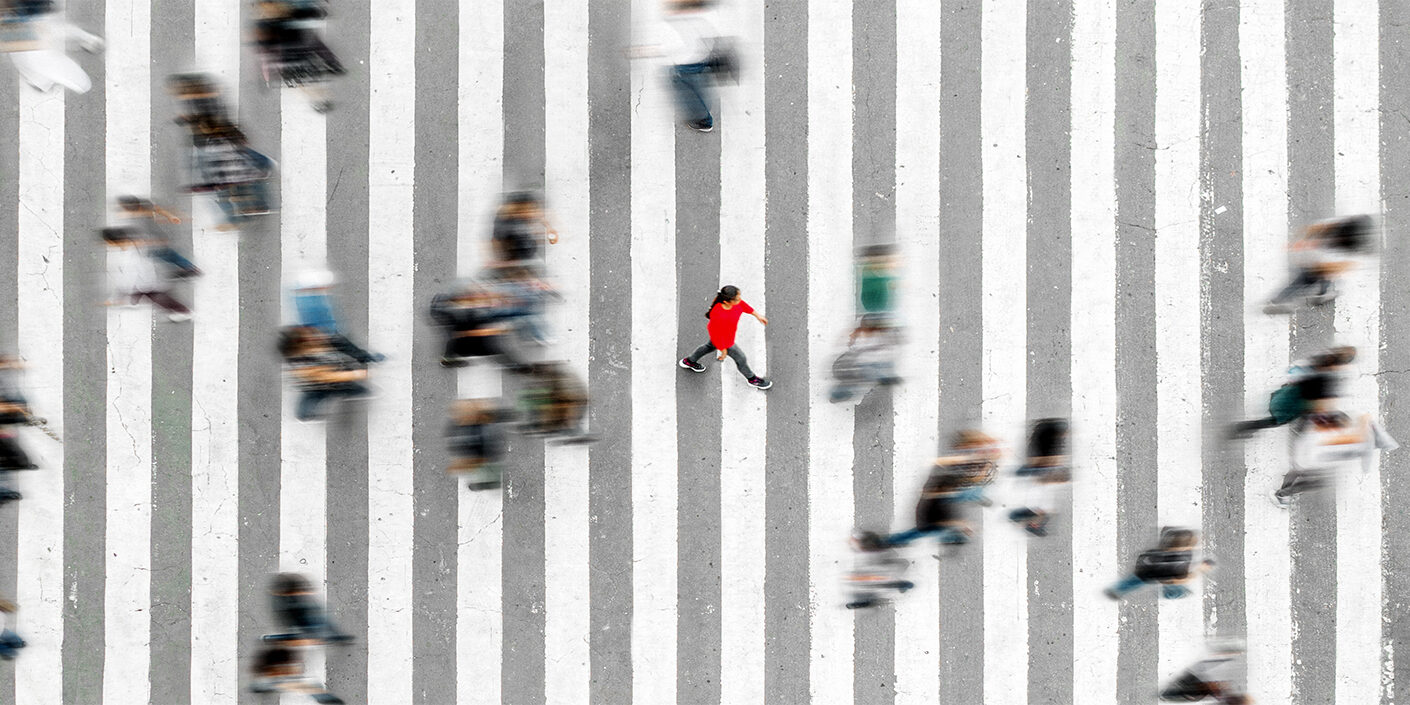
[[724, 321]]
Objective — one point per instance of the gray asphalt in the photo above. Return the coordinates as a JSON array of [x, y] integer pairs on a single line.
[[1395, 344], [9, 323], [1312, 195], [873, 222], [961, 348], [1136, 411], [1049, 334], [172, 27], [349, 35]]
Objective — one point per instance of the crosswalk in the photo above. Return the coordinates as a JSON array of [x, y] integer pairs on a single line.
[[1091, 200]]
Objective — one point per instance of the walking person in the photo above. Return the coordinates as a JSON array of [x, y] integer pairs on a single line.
[[1171, 564], [135, 274], [36, 36], [699, 58], [10, 642], [724, 316]]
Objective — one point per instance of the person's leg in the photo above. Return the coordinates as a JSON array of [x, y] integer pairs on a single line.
[[1173, 592], [907, 536], [165, 300], [309, 402], [741, 361], [1125, 585], [1301, 282], [341, 343], [689, 81], [701, 352]]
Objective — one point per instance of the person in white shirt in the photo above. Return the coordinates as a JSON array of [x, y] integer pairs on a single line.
[[1326, 441], [699, 57], [134, 274], [1326, 250], [1219, 675], [36, 38]]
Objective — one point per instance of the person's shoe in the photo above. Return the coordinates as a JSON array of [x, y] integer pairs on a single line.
[[322, 106], [703, 125], [760, 383], [10, 496], [1280, 500], [1111, 594], [692, 366], [376, 357], [179, 317], [1036, 529], [860, 604], [454, 362]]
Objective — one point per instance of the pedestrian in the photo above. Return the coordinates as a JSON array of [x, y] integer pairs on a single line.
[[198, 98], [230, 170], [699, 58], [877, 575], [869, 359], [1171, 564], [956, 479], [1218, 675], [136, 274], [478, 440], [291, 50], [876, 280], [36, 36], [477, 325], [314, 302], [1326, 250], [1324, 441], [1313, 385], [1045, 467], [281, 670], [554, 403], [321, 371], [146, 221], [10, 642], [298, 611], [520, 227], [723, 323]]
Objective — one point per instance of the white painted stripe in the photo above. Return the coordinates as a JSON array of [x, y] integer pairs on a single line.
[[1177, 284], [654, 351], [830, 316], [391, 158], [128, 567], [1357, 130], [1094, 566], [215, 428], [1266, 557], [40, 590], [567, 525], [1004, 367], [303, 477], [479, 625], [741, 131], [917, 400]]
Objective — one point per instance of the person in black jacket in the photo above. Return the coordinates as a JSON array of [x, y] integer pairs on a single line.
[[477, 440], [299, 613], [477, 325], [291, 49], [1171, 564], [1046, 467]]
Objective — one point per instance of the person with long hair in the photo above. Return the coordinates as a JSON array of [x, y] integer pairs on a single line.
[[724, 316]]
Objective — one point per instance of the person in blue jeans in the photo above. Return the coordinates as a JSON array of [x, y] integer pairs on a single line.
[[281, 670], [1171, 564], [699, 58], [299, 613], [10, 642], [314, 302], [957, 478], [320, 371]]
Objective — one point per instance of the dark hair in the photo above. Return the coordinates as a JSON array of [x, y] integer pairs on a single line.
[[288, 583], [129, 203], [881, 250], [1170, 538], [1350, 234], [115, 235], [727, 293], [276, 657]]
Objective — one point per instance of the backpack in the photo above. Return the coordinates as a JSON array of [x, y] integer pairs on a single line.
[[1160, 564], [1286, 404]]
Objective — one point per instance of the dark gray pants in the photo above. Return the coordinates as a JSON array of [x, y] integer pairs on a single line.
[[739, 359]]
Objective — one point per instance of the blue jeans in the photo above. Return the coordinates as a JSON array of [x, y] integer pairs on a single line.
[[10, 644], [945, 534], [172, 257], [692, 84], [1131, 582]]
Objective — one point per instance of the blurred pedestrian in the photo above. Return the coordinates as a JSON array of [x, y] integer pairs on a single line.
[[555, 403], [1171, 564], [226, 167], [723, 324], [36, 36], [291, 51], [1045, 467], [198, 98], [878, 572], [1325, 441], [1313, 385], [869, 359], [136, 273], [281, 670], [1325, 251], [477, 325], [319, 370], [521, 227], [314, 302], [298, 611], [10, 642], [477, 438], [1219, 676], [876, 280], [146, 220], [699, 56], [957, 478]]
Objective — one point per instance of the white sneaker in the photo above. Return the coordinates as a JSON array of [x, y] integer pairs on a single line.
[[178, 317], [1280, 501]]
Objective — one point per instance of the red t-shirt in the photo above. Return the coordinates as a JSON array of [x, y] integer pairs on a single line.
[[724, 322]]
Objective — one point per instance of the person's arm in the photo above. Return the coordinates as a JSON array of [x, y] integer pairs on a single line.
[[750, 310], [552, 234], [164, 213]]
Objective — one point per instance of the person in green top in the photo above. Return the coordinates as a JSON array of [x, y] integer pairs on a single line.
[[876, 279]]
